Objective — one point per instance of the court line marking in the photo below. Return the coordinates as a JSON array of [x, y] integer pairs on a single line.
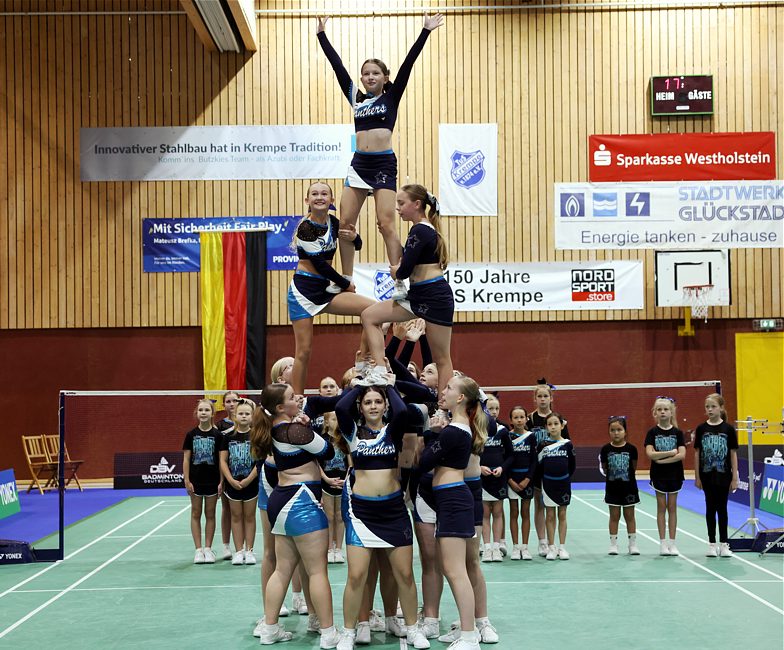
[[79, 550], [511, 582], [62, 593], [696, 564], [167, 535], [699, 539]]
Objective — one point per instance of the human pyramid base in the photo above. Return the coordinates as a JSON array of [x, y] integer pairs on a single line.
[[390, 442]]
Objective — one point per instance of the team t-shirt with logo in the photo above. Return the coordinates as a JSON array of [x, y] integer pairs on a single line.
[[204, 447], [240, 461], [715, 442], [665, 440]]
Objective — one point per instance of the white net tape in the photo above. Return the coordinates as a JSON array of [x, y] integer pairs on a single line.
[[697, 297]]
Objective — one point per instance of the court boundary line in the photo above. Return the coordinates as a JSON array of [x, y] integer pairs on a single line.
[[71, 587], [79, 550], [696, 564]]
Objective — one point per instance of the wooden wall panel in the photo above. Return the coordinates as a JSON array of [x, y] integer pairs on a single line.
[[70, 252]]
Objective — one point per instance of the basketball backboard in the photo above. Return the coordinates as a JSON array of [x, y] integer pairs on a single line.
[[678, 269]]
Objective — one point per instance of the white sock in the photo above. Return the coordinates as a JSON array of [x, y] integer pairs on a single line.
[[502, 541], [296, 594], [663, 541], [543, 542], [488, 546], [614, 540], [496, 546], [633, 537], [325, 631], [429, 619], [481, 620], [562, 547], [468, 636], [670, 542], [523, 547], [350, 278]]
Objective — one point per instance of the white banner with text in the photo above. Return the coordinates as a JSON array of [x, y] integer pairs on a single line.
[[717, 214], [468, 169], [215, 152], [608, 284]]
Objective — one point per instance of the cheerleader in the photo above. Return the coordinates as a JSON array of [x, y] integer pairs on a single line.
[[619, 462], [333, 476], [294, 509], [201, 470], [374, 165], [495, 462], [374, 510], [429, 297], [225, 425], [316, 243], [556, 466], [521, 475]]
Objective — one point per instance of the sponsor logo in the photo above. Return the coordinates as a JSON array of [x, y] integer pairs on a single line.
[[605, 204], [773, 490], [593, 285], [468, 169], [573, 204], [8, 493], [383, 285], [10, 556], [602, 157], [162, 467], [638, 204], [776, 459]]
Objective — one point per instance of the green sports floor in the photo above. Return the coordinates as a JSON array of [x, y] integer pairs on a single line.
[[128, 581]]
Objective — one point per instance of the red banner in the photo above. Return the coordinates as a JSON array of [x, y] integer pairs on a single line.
[[682, 157]]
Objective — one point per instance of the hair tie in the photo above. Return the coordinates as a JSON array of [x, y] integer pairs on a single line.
[[433, 202], [269, 415]]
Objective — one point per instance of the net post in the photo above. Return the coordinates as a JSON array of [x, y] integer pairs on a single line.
[[61, 477], [750, 445]]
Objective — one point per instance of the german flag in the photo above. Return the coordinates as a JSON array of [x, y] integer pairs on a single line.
[[233, 309]]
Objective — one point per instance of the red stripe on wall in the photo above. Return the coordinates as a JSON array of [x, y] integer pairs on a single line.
[[235, 307]]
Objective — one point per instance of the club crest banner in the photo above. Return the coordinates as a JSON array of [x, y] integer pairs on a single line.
[[468, 169]]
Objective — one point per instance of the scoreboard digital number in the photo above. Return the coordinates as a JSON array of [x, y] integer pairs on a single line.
[[682, 95]]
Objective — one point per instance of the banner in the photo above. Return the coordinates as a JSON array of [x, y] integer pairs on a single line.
[[772, 497], [148, 470], [610, 284], [202, 153], [9, 497], [682, 156], [741, 495], [468, 169], [688, 215], [172, 245]]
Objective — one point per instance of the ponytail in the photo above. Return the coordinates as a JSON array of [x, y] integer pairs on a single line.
[[477, 418], [261, 424], [428, 200]]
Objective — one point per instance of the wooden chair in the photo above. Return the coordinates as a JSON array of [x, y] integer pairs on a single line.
[[41, 466], [52, 443]]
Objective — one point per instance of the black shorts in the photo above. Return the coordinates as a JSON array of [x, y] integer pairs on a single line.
[[454, 511], [431, 300], [621, 493], [375, 170], [205, 489], [475, 485], [326, 488], [248, 493], [307, 295], [667, 486]]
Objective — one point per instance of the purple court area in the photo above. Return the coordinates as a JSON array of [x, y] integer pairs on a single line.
[[38, 518]]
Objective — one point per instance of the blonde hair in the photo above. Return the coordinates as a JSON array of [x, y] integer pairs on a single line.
[[419, 193], [720, 401], [477, 418], [277, 369], [212, 408], [668, 401]]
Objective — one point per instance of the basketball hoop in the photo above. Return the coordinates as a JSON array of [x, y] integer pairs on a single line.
[[697, 297]]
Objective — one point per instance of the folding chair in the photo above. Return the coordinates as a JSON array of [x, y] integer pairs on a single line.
[[40, 464], [70, 466]]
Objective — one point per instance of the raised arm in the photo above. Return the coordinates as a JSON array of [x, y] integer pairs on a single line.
[[404, 73], [316, 405], [344, 411], [397, 414], [344, 79]]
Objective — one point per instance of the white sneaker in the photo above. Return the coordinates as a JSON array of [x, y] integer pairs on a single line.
[[238, 558], [314, 625], [711, 552], [724, 550], [284, 611], [339, 559], [299, 605], [273, 634], [198, 558], [250, 557], [516, 552], [497, 556], [633, 548], [259, 627], [453, 634], [487, 633], [227, 554], [377, 622], [363, 633], [331, 556], [346, 641], [502, 547], [487, 554], [333, 288], [664, 548], [543, 549], [331, 639], [673, 549], [613, 550], [563, 554], [400, 291], [525, 554], [552, 553], [376, 377], [430, 627], [464, 644], [394, 627], [416, 637], [209, 556]]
